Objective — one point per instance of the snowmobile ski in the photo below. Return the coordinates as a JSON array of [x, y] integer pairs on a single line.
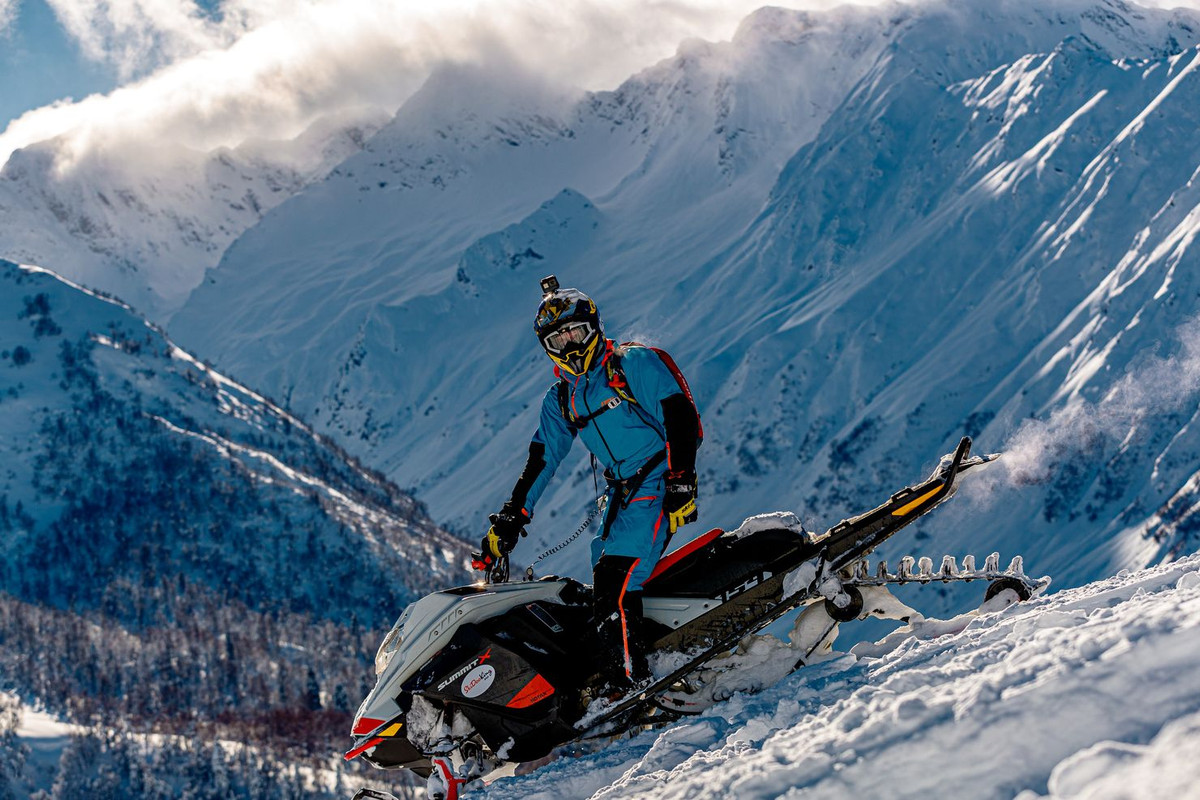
[[373, 794]]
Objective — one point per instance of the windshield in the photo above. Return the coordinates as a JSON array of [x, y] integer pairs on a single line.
[[391, 643]]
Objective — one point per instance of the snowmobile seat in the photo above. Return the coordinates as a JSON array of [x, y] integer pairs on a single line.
[[679, 554]]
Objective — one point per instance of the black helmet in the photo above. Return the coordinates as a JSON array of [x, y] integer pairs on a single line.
[[568, 327]]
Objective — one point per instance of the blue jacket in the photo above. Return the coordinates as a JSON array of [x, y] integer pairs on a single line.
[[623, 437]]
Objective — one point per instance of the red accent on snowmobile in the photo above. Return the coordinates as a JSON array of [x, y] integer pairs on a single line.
[[452, 783], [677, 555], [358, 751], [366, 725], [535, 691]]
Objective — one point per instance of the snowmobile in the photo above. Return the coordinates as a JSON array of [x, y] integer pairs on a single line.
[[475, 680]]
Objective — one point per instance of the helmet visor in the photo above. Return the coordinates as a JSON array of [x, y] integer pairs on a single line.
[[560, 339]]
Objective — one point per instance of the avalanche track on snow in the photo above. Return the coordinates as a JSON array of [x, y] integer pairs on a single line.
[[1089, 692]]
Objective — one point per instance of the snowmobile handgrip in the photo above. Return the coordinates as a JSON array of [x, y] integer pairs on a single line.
[[497, 571]]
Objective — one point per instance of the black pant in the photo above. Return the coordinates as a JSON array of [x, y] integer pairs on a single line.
[[618, 615]]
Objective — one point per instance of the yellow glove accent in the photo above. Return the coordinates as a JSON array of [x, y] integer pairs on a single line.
[[493, 543], [678, 519]]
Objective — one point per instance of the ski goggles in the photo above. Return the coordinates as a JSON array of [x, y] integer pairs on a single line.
[[560, 339]]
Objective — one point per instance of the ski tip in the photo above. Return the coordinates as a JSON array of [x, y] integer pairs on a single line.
[[964, 447], [978, 461]]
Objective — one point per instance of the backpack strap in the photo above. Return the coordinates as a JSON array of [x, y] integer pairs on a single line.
[[564, 402], [616, 376], [618, 384], [564, 405], [621, 386]]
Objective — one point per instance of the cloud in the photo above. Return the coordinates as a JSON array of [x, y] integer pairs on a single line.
[[8, 13], [269, 68], [135, 35], [204, 75]]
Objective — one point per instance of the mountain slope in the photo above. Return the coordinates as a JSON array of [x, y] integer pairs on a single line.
[[116, 443], [1089, 692], [186, 558], [1020, 263], [858, 243]]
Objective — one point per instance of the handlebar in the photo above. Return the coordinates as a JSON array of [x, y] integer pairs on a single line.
[[497, 571], [494, 569]]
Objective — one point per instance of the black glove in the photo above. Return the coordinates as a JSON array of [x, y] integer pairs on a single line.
[[679, 501], [507, 526]]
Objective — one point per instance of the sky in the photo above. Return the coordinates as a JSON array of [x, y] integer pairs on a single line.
[[210, 73], [40, 63]]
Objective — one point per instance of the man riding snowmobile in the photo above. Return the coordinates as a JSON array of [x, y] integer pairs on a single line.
[[473, 681], [633, 410]]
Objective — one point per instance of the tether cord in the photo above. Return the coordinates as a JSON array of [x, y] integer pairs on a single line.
[[578, 532]]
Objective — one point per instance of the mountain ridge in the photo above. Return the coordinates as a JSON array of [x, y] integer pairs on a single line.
[[112, 432], [147, 224]]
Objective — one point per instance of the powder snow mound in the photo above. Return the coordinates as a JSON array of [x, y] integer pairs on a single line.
[[1070, 687]]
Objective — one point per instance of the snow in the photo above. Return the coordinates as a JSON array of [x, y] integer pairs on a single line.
[[1118, 769], [147, 225], [1089, 692], [127, 362], [799, 579], [771, 521], [38, 727], [45, 736]]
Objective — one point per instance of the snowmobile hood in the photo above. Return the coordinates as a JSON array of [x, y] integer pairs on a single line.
[[424, 629]]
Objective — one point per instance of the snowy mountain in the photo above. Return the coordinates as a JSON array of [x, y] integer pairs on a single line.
[[1090, 692], [115, 442], [186, 557], [859, 240], [146, 225]]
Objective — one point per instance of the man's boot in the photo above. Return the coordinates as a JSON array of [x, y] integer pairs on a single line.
[[618, 615]]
